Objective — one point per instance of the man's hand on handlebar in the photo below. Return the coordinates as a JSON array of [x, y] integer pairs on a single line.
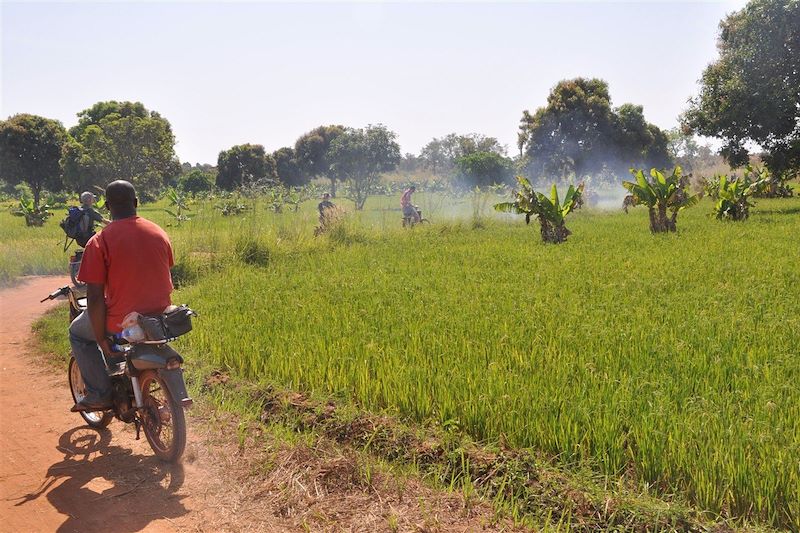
[[105, 346]]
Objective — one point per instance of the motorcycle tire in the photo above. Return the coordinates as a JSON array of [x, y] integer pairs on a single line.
[[163, 419], [95, 419]]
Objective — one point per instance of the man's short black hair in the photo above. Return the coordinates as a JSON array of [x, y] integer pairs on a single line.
[[121, 193]]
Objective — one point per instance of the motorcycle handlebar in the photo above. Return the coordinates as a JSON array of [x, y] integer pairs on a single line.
[[63, 291]]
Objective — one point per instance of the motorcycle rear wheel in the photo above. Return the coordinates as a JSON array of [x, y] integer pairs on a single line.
[[95, 419], [163, 419]]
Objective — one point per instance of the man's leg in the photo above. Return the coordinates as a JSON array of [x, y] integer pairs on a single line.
[[89, 358]]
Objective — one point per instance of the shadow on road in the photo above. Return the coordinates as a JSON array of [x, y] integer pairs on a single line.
[[102, 487]]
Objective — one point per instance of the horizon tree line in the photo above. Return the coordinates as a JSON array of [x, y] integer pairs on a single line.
[[749, 95]]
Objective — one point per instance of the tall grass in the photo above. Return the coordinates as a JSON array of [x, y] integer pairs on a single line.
[[672, 359]]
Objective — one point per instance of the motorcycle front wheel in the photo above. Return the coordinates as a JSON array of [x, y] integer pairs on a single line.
[[95, 419], [163, 420]]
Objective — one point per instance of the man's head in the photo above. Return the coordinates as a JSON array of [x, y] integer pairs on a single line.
[[121, 199], [87, 198], [413, 188], [326, 196]]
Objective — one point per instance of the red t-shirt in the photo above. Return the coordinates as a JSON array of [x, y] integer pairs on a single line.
[[405, 200], [131, 257]]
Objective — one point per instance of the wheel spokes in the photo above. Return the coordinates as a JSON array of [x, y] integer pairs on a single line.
[[158, 416]]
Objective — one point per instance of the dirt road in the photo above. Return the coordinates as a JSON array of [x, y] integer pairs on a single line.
[[58, 475]]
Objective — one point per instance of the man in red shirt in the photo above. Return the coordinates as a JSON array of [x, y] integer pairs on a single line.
[[126, 268], [409, 209]]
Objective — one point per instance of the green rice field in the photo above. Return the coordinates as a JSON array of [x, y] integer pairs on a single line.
[[671, 359]]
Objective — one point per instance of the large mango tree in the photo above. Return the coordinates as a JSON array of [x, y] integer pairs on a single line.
[[664, 196], [550, 211]]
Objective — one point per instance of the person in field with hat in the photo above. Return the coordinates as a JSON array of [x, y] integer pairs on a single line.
[[90, 216], [325, 208]]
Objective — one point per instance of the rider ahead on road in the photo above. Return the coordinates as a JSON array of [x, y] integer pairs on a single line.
[[126, 268], [409, 209]]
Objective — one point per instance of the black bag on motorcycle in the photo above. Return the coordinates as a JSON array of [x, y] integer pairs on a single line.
[[169, 325]]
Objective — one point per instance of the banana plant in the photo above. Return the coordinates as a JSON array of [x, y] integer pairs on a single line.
[[773, 186], [294, 198], [733, 195], [34, 216], [664, 196], [231, 207], [276, 199], [180, 202], [550, 211]]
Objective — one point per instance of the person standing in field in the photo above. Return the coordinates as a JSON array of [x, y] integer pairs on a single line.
[[324, 208], [409, 209], [90, 216], [126, 268]]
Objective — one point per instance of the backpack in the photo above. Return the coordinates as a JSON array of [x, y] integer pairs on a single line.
[[75, 227]]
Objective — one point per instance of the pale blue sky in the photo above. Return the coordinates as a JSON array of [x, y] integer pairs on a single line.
[[229, 73]]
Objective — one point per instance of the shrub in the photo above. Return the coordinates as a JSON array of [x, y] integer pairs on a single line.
[[196, 181], [251, 251]]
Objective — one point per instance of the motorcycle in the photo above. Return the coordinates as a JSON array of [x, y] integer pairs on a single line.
[[409, 221], [148, 389]]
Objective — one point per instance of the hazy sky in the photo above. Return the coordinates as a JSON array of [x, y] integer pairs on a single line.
[[230, 73]]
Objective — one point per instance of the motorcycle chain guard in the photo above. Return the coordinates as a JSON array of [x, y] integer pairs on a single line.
[[121, 394]]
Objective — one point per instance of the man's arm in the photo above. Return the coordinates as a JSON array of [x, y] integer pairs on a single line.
[[96, 307], [96, 216]]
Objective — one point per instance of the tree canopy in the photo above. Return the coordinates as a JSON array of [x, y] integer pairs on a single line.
[[242, 165], [311, 153], [752, 92], [360, 156], [196, 181], [287, 167], [480, 169], [30, 150], [578, 133], [120, 140], [440, 155]]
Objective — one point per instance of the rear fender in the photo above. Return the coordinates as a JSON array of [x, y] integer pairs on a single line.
[[152, 356]]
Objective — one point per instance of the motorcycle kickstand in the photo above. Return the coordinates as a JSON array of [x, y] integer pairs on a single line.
[[138, 424]]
